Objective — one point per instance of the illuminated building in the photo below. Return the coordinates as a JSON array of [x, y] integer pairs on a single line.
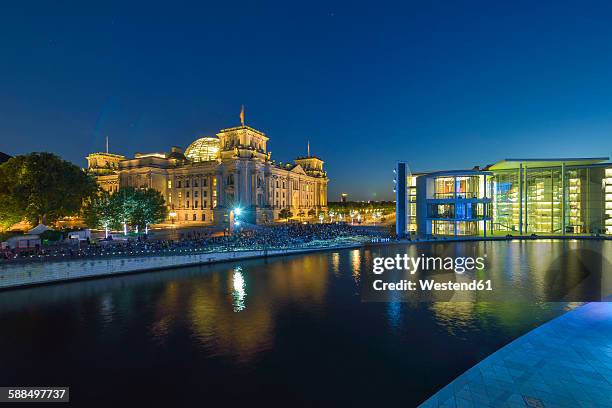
[[513, 196], [217, 174]]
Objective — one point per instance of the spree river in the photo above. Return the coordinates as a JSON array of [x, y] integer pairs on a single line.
[[289, 330]]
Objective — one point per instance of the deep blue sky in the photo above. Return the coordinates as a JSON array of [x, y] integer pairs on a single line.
[[439, 84]]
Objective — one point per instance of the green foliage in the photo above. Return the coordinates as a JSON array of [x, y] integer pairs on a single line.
[[52, 235], [135, 208], [102, 211], [42, 187], [10, 211], [150, 208], [385, 207], [285, 213]]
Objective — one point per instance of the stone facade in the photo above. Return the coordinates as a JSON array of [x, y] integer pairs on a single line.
[[201, 188]]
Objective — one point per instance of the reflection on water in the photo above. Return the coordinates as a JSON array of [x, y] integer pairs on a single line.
[[239, 292], [335, 260], [291, 330], [356, 264]]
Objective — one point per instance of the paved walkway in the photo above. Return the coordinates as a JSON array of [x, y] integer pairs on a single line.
[[566, 362]]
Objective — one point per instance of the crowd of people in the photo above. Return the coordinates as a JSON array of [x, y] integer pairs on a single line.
[[254, 238]]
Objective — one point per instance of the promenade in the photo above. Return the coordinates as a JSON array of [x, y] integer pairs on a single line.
[[566, 362]]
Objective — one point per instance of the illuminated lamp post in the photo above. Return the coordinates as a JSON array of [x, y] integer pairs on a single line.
[[172, 216], [235, 219]]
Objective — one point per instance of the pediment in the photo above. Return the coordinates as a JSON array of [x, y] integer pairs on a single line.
[[298, 169]]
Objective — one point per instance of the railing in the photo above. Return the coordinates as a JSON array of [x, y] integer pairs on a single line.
[[112, 253], [459, 195]]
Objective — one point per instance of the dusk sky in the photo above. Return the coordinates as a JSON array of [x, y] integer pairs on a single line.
[[442, 85]]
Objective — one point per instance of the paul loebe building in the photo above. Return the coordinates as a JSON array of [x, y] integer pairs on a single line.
[[217, 174], [513, 196]]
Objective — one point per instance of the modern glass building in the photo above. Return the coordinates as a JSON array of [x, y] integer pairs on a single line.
[[513, 196]]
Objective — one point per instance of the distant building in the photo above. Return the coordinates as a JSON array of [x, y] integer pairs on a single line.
[[513, 196], [343, 197], [216, 174], [4, 157]]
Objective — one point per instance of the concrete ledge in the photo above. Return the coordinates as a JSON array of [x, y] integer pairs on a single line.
[[566, 362], [13, 275]]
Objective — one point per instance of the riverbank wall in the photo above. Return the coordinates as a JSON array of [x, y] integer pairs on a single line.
[[16, 274]]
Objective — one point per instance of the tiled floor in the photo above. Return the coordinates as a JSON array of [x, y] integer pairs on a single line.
[[566, 362]]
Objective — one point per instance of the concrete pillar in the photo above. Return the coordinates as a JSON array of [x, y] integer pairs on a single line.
[[563, 198], [526, 200], [400, 199], [220, 200], [521, 198], [484, 206]]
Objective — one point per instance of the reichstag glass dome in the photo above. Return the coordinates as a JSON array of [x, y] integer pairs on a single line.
[[203, 149]]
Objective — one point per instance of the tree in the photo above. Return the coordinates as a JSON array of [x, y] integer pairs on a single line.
[[128, 207], [150, 208], [101, 211], [43, 187], [10, 211], [125, 202], [285, 213], [312, 212]]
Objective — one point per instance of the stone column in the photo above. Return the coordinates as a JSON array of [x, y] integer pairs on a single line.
[[219, 189]]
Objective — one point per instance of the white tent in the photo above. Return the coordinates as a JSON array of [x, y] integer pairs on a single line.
[[39, 229]]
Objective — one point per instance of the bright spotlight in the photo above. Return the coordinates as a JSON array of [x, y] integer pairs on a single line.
[[237, 211]]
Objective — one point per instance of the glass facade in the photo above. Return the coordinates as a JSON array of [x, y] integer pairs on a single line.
[[518, 197], [412, 204], [203, 149], [551, 200], [607, 186], [457, 187]]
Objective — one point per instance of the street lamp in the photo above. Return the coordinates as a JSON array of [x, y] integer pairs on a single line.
[[172, 216]]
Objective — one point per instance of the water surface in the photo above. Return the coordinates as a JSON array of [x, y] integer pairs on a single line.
[[289, 331]]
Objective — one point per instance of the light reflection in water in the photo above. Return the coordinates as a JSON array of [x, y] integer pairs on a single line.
[[107, 308], [239, 292], [335, 259], [394, 313], [303, 311], [356, 264]]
